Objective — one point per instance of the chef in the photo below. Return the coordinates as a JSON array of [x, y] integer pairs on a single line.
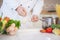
[[27, 11]]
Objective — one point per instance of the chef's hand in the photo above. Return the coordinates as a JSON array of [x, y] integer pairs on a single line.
[[21, 11], [12, 29], [34, 18]]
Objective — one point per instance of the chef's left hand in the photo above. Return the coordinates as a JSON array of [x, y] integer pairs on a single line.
[[34, 18]]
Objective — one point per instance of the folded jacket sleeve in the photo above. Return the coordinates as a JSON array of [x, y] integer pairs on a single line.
[[38, 8]]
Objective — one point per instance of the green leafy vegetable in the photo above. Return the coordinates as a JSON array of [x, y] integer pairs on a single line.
[[4, 25], [1, 23], [1, 26], [17, 23], [53, 26], [4, 32], [58, 26]]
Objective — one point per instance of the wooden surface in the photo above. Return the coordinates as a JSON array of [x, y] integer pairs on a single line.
[[47, 13]]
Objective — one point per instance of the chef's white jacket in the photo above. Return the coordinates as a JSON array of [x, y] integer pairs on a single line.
[[9, 6]]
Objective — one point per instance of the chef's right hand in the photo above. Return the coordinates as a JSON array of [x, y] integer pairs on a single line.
[[21, 11]]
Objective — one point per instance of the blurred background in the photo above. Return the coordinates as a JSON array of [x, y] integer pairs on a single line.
[[50, 4]]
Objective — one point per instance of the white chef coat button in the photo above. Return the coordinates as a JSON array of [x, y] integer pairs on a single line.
[[28, 6], [20, 4], [11, 8]]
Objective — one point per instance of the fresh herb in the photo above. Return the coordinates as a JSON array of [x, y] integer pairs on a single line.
[[4, 32], [17, 23], [1, 23], [55, 26], [5, 23], [1, 26], [58, 26]]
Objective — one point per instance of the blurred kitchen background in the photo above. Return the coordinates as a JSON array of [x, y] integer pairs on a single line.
[[48, 13], [50, 4]]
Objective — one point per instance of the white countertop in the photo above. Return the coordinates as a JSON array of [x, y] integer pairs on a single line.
[[30, 34]]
